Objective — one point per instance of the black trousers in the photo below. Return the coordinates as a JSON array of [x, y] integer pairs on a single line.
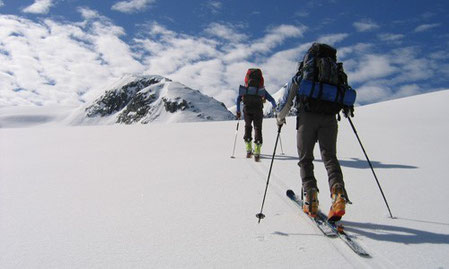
[[253, 117]]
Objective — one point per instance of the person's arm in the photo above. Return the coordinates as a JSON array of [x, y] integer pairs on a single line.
[[237, 102], [271, 99], [287, 99]]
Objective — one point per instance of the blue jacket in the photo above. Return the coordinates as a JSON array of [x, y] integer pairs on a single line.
[[265, 94]]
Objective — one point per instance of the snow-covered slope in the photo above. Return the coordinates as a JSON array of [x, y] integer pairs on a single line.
[[145, 99], [140, 197], [30, 116]]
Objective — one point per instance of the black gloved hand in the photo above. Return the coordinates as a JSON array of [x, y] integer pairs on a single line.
[[348, 111]]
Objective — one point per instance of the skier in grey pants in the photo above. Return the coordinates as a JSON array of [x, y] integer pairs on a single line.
[[311, 128]]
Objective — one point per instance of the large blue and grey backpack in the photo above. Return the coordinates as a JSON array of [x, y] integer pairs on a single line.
[[324, 86]]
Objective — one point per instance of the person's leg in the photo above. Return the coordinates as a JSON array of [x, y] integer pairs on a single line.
[[248, 116], [327, 139], [258, 118], [306, 138]]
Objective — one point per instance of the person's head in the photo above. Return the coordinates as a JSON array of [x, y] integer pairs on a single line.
[[254, 78]]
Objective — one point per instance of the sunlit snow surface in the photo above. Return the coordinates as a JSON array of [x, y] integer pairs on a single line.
[[168, 195]]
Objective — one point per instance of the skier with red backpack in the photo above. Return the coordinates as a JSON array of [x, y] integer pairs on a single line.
[[253, 95], [321, 91]]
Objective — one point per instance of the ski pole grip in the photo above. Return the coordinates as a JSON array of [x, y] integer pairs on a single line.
[[279, 128]]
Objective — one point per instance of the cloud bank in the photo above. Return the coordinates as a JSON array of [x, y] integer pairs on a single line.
[[215, 62], [52, 62]]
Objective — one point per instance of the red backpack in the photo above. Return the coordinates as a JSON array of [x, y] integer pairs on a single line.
[[254, 78], [253, 93]]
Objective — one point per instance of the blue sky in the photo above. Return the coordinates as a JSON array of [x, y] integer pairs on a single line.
[[68, 51]]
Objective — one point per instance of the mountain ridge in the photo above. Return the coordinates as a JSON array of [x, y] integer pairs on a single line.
[[149, 98]]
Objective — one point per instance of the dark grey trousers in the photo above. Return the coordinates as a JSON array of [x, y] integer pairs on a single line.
[[321, 128]]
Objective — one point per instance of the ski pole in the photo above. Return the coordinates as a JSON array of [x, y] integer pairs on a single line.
[[261, 215], [369, 162], [280, 143], [235, 138]]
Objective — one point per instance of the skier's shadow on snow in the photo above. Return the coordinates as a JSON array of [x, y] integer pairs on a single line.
[[363, 164], [352, 163], [280, 157], [382, 232]]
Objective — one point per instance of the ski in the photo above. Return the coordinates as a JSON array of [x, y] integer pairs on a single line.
[[322, 226], [348, 240], [330, 229]]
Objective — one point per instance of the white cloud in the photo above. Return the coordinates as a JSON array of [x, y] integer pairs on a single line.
[[365, 25], [391, 37], [426, 27], [372, 93], [39, 7], [354, 51], [332, 39], [377, 91], [442, 54], [398, 73], [214, 6], [407, 90], [226, 32], [372, 66], [88, 14], [276, 36], [281, 66], [1, 3], [413, 67], [273, 38], [132, 6], [168, 51]]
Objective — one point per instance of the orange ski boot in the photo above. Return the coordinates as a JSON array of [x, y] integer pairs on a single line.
[[338, 206], [311, 203]]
